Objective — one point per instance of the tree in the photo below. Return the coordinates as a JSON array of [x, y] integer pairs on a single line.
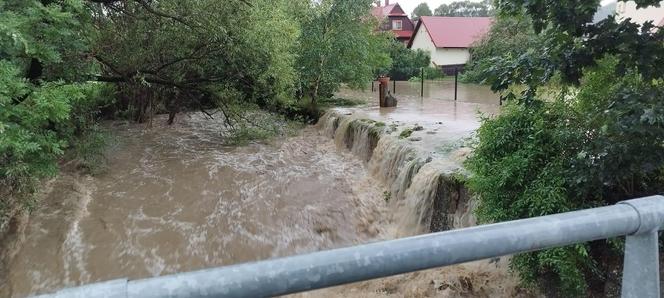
[[339, 45], [421, 10], [465, 9], [509, 36], [406, 63], [45, 101], [594, 141], [207, 54], [61, 62], [211, 54]]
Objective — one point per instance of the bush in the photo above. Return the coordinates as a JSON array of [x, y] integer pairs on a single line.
[[430, 73], [595, 146], [508, 37], [45, 104], [406, 63]]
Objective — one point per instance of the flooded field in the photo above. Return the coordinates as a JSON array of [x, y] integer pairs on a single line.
[[444, 122]]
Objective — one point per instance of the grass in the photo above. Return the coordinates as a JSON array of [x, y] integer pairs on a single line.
[[339, 102], [88, 151], [406, 133], [258, 125]]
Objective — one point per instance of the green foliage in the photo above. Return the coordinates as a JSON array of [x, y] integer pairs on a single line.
[[421, 10], [406, 63], [465, 9], [88, 150], [45, 105], [510, 36], [340, 102], [338, 45], [587, 148], [201, 48], [259, 125], [570, 42], [406, 133], [598, 142], [430, 73]]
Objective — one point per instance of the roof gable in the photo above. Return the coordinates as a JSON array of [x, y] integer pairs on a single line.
[[397, 10], [388, 10], [454, 32]]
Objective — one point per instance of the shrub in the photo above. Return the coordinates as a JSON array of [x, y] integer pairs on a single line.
[[406, 63], [596, 147], [509, 36], [430, 73]]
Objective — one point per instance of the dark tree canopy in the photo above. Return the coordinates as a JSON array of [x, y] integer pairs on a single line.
[[465, 9], [572, 42], [421, 10]]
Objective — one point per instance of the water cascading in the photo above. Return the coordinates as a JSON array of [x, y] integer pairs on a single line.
[[424, 193]]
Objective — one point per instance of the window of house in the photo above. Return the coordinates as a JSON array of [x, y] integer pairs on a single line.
[[396, 25]]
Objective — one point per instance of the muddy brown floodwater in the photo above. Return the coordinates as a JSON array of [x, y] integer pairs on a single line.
[[174, 199]]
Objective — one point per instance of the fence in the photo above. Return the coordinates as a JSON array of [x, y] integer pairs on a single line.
[[639, 219]]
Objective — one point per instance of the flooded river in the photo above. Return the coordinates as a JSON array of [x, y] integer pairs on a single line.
[[176, 198]]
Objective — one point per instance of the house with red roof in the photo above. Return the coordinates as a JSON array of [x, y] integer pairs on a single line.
[[393, 18], [449, 39]]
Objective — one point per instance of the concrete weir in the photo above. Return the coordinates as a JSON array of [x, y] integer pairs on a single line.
[[425, 189], [425, 193]]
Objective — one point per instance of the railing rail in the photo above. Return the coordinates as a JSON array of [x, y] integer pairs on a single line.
[[639, 219]]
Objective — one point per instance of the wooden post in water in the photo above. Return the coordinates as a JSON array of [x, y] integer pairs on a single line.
[[394, 87], [456, 83], [372, 85], [422, 85]]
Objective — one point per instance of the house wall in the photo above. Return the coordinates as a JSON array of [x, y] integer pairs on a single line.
[[439, 56], [628, 10], [407, 25], [452, 56]]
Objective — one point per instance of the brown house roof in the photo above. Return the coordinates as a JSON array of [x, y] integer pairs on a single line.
[[403, 34], [453, 32], [388, 11]]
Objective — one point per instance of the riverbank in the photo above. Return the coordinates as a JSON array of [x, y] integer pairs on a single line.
[[179, 198]]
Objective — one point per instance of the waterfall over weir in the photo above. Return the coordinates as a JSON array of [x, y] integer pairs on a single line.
[[423, 192]]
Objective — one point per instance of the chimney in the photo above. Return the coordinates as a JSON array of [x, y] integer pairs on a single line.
[[387, 2]]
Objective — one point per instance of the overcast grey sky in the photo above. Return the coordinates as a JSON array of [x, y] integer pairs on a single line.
[[409, 5]]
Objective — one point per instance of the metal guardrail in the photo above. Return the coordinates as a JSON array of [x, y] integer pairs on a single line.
[[639, 219]]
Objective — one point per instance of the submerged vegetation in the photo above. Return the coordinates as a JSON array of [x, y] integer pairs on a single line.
[[598, 140], [64, 65]]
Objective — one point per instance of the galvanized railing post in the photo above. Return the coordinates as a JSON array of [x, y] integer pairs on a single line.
[[641, 269], [641, 263]]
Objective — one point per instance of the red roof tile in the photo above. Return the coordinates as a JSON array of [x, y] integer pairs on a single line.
[[454, 32], [402, 33]]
